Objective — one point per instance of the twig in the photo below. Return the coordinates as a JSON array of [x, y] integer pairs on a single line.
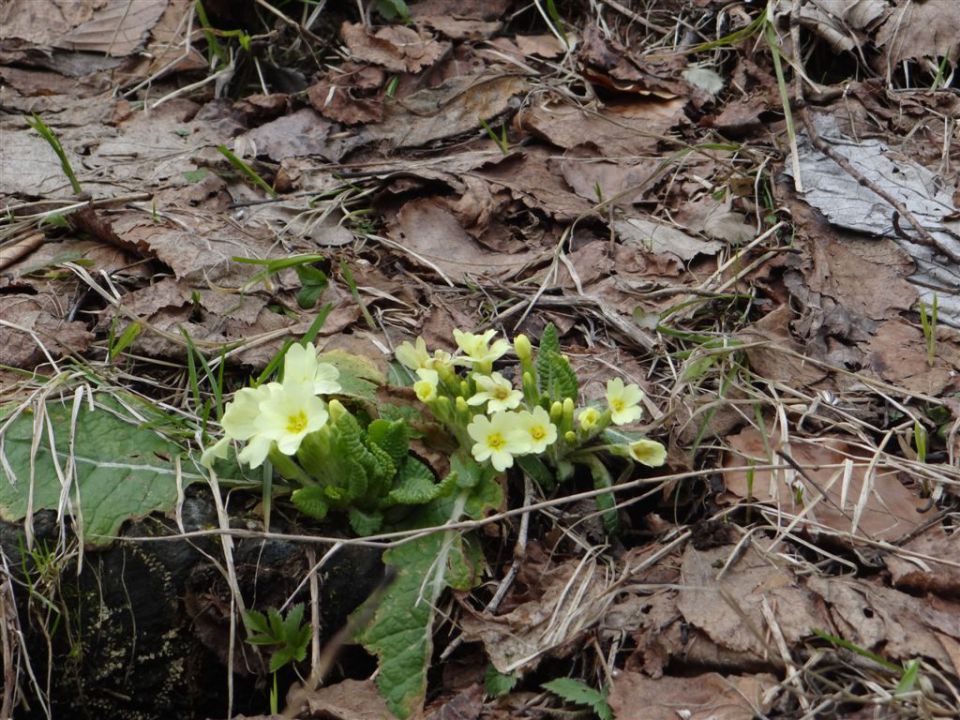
[[650, 25]]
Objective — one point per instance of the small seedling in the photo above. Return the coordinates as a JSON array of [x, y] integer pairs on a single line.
[[501, 140], [288, 636], [37, 123], [928, 323], [247, 171]]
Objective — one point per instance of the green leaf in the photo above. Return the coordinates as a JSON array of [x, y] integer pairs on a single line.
[[415, 484], [496, 683], [121, 471], [393, 10], [401, 631], [391, 436], [359, 377], [557, 379], [549, 339], [313, 282], [311, 501], [538, 471], [256, 621], [365, 523], [579, 693], [195, 176]]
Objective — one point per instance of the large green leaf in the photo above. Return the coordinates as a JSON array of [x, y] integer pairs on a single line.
[[401, 631], [121, 471], [359, 377]]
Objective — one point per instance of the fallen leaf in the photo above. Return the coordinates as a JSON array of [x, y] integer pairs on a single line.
[[916, 30], [570, 598], [862, 496], [397, 48], [620, 130], [298, 134], [434, 238], [653, 236], [923, 575], [33, 325], [898, 354], [699, 697], [348, 700]]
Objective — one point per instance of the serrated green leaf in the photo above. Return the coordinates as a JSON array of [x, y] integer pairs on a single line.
[[364, 523], [498, 684], [549, 339], [121, 471], [557, 380], [291, 623], [255, 621], [359, 377], [311, 501], [415, 484], [579, 693]]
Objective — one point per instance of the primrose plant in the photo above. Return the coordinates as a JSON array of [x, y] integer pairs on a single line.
[[336, 462], [535, 423], [342, 461]]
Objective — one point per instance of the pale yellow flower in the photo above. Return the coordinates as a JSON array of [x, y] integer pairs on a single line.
[[498, 439], [497, 392], [426, 386], [477, 348], [416, 356], [588, 418], [413, 356], [300, 367], [648, 452], [240, 416], [624, 401], [537, 429], [287, 415], [217, 451]]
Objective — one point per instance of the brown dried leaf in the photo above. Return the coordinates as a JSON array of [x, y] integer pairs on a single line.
[[113, 27], [922, 575], [397, 48], [702, 697], [348, 700], [36, 323], [568, 598], [299, 134], [653, 236], [880, 509], [434, 236], [619, 130], [898, 354], [917, 30]]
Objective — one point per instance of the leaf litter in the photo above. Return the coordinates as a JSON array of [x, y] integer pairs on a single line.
[[623, 173]]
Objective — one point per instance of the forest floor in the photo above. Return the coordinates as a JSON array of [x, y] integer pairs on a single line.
[[749, 211]]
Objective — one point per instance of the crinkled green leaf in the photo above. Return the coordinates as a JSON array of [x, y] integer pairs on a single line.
[[359, 377], [557, 378], [549, 339], [311, 501], [415, 484], [392, 436], [121, 471], [364, 523]]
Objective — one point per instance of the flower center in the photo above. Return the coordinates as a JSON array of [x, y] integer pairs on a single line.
[[501, 393], [617, 405], [495, 441], [537, 432], [296, 423]]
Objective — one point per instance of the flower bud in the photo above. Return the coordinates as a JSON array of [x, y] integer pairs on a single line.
[[336, 409], [556, 412], [570, 437], [521, 344]]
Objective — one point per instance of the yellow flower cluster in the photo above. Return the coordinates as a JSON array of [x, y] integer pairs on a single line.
[[502, 421], [279, 414]]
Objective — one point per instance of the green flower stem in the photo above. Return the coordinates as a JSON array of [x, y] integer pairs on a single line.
[[285, 465], [606, 502]]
